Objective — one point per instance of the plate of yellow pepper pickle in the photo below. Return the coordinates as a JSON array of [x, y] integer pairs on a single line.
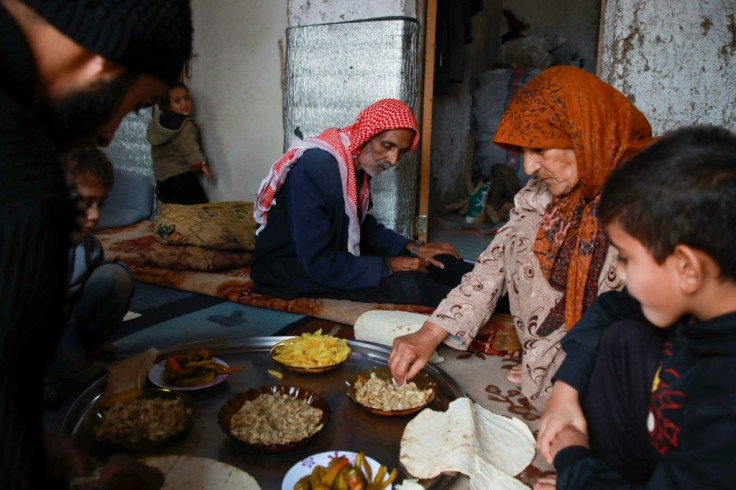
[[342, 470], [189, 371]]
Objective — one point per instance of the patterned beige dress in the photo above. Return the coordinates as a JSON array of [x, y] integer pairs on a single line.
[[509, 265]]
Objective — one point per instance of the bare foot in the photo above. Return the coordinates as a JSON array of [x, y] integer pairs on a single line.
[[493, 214], [514, 374]]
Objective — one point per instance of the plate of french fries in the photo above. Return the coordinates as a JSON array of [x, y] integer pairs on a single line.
[[194, 370], [311, 353]]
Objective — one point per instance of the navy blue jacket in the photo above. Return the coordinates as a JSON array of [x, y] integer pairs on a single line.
[[302, 251], [692, 410]]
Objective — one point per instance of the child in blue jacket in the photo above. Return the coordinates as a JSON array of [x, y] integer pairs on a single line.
[[99, 293]]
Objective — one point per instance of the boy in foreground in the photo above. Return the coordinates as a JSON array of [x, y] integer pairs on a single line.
[[646, 396], [99, 293]]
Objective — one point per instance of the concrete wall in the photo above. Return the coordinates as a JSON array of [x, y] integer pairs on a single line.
[[236, 90], [236, 81], [676, 59]]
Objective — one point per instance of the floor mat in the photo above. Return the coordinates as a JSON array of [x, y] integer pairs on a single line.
[[468, 240], [223, 320]]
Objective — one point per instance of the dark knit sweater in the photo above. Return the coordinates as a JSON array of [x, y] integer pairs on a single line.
[[36, 217]]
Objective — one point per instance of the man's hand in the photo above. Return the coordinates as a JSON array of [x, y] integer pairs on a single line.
[[411, 352], [428, 251], [65, 462], [399, 264], [568, 436], [563, 410], [124, 473]]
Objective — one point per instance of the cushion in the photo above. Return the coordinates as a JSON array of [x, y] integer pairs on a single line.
[[193, 258], [130, 200], [221, 225]]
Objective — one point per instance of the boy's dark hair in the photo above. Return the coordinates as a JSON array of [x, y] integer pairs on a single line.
[[679, 190], [90, 160], [165, 100]]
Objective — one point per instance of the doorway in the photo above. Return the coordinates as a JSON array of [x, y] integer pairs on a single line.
[[461, 131]]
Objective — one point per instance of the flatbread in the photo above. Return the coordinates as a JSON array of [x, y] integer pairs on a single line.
[[194, 473], [383, 326], [469, 439], [408, 484]]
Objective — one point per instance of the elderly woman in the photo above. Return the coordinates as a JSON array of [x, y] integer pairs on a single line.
[[552, 258]]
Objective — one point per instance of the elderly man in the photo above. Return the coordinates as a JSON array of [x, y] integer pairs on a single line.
[[316, 237], [71, 70]]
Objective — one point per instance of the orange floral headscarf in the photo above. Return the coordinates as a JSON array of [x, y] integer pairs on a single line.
[[568, 108]]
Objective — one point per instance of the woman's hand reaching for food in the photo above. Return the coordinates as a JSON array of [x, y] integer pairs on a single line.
[[411, 352], [563, 410]]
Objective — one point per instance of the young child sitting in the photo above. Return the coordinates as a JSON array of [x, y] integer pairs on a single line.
[[99, 293], [646, 396], [176, 149]]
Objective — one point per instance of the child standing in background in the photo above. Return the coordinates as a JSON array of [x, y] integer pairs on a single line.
[[99, 293], [646, 397], [176, 150]]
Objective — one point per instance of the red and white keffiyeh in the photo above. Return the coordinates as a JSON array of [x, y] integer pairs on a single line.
[[344, 144]]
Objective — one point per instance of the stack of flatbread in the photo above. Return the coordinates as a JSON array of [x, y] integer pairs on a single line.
[[383, 326], [194, 473], [128, 377], [467, 438]]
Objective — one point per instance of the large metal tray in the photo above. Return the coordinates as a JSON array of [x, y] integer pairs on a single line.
[[350, 427]]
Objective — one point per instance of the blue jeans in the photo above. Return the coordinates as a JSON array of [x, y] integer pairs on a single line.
[[96, 312]]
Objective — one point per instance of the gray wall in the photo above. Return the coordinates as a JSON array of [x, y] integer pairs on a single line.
[[676, 59]]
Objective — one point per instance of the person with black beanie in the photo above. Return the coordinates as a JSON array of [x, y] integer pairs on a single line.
[[71, 70]]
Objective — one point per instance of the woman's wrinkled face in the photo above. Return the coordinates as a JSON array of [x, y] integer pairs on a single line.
[[558, 169]]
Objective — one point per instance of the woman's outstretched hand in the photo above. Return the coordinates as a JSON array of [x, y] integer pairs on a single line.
[[411, 352]]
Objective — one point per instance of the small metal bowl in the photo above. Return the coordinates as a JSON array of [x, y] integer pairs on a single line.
[[302, 369], [234, 404], [95, 416], [422, 380]]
